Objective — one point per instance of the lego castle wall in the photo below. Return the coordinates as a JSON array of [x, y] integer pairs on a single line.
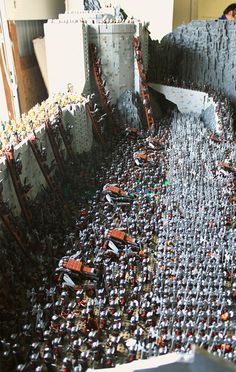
[[201, 52], [115, 48], [81, 128], [151, 12], [30, 171], [81, 131], [187, 100]]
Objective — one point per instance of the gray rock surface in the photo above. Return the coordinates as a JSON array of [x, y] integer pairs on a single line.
[[209, 118], [129, 109], [201, 52]]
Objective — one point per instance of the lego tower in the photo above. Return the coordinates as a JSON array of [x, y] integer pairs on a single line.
[[68, 40]]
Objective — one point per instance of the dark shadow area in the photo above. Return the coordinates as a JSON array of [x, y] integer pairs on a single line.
[[161, 106]]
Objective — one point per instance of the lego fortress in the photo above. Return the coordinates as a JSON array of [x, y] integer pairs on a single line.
[[118, 199]]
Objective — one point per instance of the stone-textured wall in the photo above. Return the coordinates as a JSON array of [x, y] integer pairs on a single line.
[[115, 48], [187, 100], [201, 52], [76, 118]]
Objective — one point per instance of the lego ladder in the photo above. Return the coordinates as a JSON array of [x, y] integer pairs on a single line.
[[45, 170], [94, 123], [19, 189], [10, 223], [143, 84], [51, 136], [65, 139], [101, 88]]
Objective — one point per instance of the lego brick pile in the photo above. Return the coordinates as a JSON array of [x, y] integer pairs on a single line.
[[201, 52], [148, 267]]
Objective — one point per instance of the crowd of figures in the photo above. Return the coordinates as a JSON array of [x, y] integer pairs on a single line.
[[15, 131], [223, 106], [157, 243]]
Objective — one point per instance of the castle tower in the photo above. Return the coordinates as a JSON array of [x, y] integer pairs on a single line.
[[67, 44]]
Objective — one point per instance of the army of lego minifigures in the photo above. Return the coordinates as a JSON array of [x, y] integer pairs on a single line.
[[15, 131], [223, 106], [147, 266]]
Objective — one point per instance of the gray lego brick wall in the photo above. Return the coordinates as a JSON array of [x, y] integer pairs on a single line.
[[81, 130], [201, 52], [114, 45]]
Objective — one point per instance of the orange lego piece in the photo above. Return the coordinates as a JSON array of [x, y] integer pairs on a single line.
[[121, 235], [225, 316], [144, 155], [141, 155], [227, 166], [87, 270], [115, 190], [73, 265], [226, 347]]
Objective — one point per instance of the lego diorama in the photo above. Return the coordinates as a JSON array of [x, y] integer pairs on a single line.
[[117, 203]]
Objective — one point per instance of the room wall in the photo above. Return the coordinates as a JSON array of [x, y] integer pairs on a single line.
[[187, 10], [184, 11], [31, 87], [211, 9], [158, 13], [19, 10]]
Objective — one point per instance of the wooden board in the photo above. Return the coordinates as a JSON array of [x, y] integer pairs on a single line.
[[31, 87]]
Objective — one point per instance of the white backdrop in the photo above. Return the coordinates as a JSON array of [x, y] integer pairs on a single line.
[[159, 13]]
